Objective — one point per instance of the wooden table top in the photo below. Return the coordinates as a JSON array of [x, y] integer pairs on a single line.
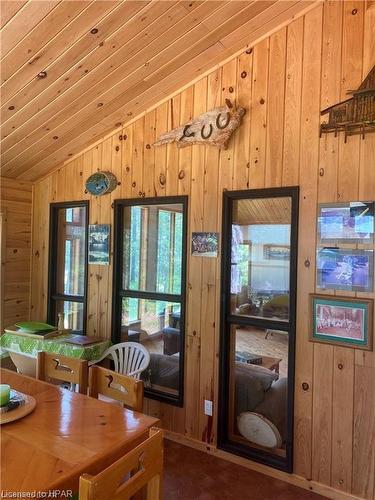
[[67, 434]]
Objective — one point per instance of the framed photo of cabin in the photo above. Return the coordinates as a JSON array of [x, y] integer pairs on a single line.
[[345, 269], [343, 321], [351, 222]]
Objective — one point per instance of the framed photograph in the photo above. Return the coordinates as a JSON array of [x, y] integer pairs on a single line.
[[99, 244], [345, 269], [341, 321], [276, 252], [351, 222], [204, 244]]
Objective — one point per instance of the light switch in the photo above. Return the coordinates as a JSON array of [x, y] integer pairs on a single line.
[[208, 407]]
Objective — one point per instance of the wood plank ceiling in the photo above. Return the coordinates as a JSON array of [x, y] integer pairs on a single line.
[[262, 211], [72, 71]]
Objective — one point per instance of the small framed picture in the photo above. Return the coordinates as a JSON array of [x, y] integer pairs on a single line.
[[345, 269], [204, 244], [99, 244], [276, 252], [351, 222], [341, 321]]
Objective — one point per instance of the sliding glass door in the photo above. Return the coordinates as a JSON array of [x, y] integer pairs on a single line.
[[258, 324]]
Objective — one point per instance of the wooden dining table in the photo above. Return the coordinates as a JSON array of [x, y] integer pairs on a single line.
[[66, 435]]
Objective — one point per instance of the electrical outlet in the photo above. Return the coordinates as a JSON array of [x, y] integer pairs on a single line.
[[208, 407]]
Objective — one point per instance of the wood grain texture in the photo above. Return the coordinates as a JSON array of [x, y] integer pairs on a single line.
[[9, 9], [52, 366], [309, 150], [214, 127], [313, 61], [116, 386], [100, 57], [67, 434], [16, 209], [141, 467]]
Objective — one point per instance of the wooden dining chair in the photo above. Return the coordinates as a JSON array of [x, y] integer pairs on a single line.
[[62, 368], [141, 468], [110, 384]]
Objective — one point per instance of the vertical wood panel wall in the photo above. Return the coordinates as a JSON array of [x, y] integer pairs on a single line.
[[284, 81], [16, 221]]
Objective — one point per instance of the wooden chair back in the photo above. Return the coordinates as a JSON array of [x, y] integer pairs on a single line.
[[63, 368], [127, 390], [142, 468]]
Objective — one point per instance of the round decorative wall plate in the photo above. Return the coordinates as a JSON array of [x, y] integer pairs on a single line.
[[101, 183]]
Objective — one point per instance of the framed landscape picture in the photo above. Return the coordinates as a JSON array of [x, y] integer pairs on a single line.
[[351, 222], [341, 321], [99, 243], [345, 269], [276, 252]]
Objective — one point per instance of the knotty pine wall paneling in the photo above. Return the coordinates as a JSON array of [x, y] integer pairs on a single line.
[[283, 81], [16, 222]]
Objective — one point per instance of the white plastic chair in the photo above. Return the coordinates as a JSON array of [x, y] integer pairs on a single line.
[[130, 358]]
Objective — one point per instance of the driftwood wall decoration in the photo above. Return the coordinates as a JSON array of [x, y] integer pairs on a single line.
[[214, 127], [356, 115]]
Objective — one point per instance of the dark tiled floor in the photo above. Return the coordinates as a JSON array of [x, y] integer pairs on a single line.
[[191, 474]]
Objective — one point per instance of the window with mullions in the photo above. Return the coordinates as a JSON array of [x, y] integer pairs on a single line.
[[68, 264], [149, 278]]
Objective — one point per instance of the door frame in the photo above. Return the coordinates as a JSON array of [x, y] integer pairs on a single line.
[[227, 318]]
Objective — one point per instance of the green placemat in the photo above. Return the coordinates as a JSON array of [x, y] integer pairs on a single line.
[[35, 326]]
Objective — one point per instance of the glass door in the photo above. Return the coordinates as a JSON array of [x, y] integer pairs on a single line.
[[258, 324]]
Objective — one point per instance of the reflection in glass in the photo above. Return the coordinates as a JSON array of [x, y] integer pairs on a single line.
[[73, 314], [258, 388], [260, 259], [153, 248], [71, 251], [156, 325]]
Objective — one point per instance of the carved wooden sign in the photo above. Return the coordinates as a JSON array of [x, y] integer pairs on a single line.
[[214, 127]]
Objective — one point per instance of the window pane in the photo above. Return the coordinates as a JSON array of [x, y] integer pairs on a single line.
[[156, 325], [73, 314], [71, 251], [260, 258], [164, 251], [152, 236], [258, 381], [177, 257]]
